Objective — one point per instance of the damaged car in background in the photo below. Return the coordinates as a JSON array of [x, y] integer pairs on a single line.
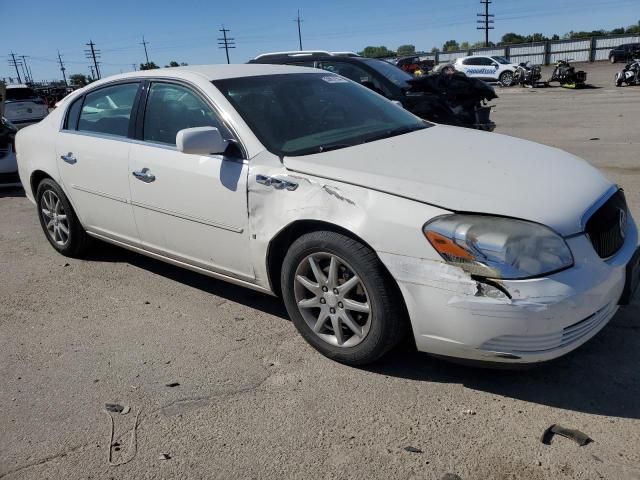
[[371, 223]]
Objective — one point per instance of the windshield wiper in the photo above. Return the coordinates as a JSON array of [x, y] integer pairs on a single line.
[[395, 132], [321, 148]]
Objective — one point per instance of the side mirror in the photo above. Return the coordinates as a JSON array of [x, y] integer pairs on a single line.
[[201, 141]]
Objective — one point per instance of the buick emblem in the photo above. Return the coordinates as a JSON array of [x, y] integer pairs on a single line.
[[622, 219]]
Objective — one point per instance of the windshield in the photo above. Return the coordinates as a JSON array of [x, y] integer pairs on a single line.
[[304, 113], [394, 74], [501, 60]]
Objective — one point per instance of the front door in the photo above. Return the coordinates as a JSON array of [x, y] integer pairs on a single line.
[[192, 208], [93, 154]]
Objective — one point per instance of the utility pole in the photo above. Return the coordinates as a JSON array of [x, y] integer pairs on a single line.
[[226, 42], [93, 75], [27, 70], [93, 53], [299, 21], [144, 44], [62, 69], [14, 63], [135, 67], [487, 20]]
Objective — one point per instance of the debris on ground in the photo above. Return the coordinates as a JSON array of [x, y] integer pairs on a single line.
[[468, 411], [172, 384], [576, 435], [113, 407], [450, 476], [164, 456], [413, 449], [125, 410], [595, 138]]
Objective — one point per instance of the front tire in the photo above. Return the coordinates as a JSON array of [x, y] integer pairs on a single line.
[[341, 299], [58, 220], [506, 79], [612, 59]]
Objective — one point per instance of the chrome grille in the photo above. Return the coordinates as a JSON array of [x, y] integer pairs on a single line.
[[606, 227]]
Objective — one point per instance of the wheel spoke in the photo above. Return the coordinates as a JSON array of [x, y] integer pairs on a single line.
[[350, 323], [337, 329], [309, 285], [355, 306], [63, 228], [320, 278], [50, 224], [309, 302], [333, 273], [348, 285], [322, 319], [62, 217], [47, 213]]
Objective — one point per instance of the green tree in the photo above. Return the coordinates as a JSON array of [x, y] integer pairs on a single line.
[[148, 66], [634, 29], [511, 37], [465, 46], [374, 52], [450, 46], [404, 50], [79, 79], [172, 63]]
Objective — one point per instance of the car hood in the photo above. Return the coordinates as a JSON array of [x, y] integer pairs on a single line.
[[469, 171]]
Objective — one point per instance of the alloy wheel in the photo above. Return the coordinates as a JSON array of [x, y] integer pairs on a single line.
[[55, 218], [332, 299], [506, 79]]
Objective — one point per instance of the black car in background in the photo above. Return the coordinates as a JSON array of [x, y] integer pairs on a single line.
[[397, 85], [623, 53]]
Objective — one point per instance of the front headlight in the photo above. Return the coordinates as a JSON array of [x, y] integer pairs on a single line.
[[496, 247]]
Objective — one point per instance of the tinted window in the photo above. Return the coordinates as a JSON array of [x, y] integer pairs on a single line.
[[392, 73], [471, 61], [72, 115], [299, 114], [108, 110], [171, 108], [21, 93]]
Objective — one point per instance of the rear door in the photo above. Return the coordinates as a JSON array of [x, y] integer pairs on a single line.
[[93, 153], [483, 68], [192, 208]]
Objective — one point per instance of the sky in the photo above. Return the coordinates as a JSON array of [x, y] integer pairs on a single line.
[[187, 30]]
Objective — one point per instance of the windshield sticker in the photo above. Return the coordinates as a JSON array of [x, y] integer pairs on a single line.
[[334, 79]]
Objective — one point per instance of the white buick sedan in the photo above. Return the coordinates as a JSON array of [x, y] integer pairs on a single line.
[[369, 222]]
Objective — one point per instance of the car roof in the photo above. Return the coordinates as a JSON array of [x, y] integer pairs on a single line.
[[210, 72]]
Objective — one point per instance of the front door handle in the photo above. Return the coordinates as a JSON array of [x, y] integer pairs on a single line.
[[69, 158], [144, 175]]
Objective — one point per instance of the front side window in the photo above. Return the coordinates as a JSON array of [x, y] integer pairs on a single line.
[[304, 113], [171, 108], [501, 60], [108, 110]]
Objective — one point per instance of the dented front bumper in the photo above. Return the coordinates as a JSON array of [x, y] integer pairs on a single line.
[[515, 321]]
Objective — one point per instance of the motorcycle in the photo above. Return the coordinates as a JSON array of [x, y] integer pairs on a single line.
[[527, 75], [630, 74], [452, 99], [566, 75]]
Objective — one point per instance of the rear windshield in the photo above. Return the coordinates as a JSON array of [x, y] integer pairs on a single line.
[[20, 94], [304, 113]]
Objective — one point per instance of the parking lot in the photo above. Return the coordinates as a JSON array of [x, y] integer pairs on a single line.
[[253, 400]]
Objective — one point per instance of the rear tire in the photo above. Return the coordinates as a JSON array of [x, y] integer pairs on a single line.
[[58, 220], [612, 59], [354, 295]]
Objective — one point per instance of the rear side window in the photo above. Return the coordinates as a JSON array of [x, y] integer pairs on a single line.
[[71, 122], [108, 110], [171, 108]]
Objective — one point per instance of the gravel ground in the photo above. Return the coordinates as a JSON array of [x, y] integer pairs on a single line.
[[254, 401]]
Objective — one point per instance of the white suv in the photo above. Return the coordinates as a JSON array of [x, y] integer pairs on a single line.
[[490, 69]]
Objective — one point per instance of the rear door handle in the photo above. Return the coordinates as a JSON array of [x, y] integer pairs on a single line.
[[69, 158], [144, 175]]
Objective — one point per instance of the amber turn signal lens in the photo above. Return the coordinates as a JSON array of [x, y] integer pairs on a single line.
[[446, 247]]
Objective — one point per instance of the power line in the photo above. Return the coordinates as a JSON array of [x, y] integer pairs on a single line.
[[487, 20], [144, 44], [226, 42], [93, 53], [14, 63], [62, 69], [26, 69], [299, 21]]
